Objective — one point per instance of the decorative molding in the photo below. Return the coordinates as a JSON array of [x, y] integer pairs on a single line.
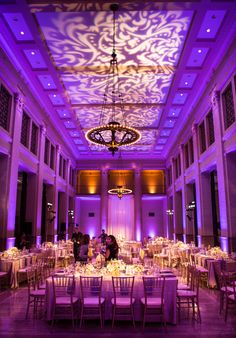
[[215, 98]]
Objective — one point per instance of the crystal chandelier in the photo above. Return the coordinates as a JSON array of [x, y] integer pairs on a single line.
[[120, 189], [113, 134]]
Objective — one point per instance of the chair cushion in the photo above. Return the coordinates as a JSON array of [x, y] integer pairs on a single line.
[[42, 286], [182, 286], [123, 301], [22, 270], [2, 273], [66, 300], [201, 269], [229, 289], [37, 293], [186, 293], [152, 302], [93, 301], [232, 297]]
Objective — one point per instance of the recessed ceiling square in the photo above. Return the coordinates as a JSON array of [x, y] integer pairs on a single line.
[[211, 24], [35, 58], [47, 82], [18, 26], [197, 57]]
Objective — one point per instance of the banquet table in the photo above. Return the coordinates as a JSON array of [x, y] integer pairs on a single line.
[[107, 292], [16, 264], [213, 265]]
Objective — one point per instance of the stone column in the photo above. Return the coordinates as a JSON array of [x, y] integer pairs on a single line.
[[55, 191], [197, 184], [181, 150], [221, 171], [67, 178], [39, 188], [138, 205], [13, 169]]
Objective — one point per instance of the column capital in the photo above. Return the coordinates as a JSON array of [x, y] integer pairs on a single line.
[[181, 147], [58, 148], [137, 172], [194, 127], [104, 171], [19, 102], [215, 97], [43, 129]]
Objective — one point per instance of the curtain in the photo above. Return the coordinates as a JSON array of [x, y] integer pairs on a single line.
[[121, 217]]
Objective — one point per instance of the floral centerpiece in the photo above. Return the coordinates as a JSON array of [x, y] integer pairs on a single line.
[[47, 245], [217, 252], [11, 253], [86, 269], [138, 269], [115, 267], [100, 261]]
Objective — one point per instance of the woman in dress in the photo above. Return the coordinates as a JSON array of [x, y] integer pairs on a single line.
[[111, 248], [83, 251]]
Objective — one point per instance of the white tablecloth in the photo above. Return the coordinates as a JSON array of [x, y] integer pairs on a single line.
[[15, 265], [107, 292]]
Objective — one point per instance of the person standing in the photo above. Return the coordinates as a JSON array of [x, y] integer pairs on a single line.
[[76, 239], [84, 247], [103, 237]]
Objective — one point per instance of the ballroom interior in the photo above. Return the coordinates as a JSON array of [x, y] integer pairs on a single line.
[[176, 82]]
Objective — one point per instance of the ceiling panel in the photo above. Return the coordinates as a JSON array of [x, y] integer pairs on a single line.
[[18, 26], [211, 24], [35, 58], [47, 82], [197, 57]]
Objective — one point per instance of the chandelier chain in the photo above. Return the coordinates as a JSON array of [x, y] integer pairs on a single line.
[[113, 134]]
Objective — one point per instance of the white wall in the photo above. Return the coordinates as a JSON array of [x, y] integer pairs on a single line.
[[153, 225], [84, 206]]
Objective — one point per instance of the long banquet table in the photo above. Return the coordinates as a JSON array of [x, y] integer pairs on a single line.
[[107, 292], [14, 265]]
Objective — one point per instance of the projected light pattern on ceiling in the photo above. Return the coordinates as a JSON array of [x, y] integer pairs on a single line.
[[150, 116], [148, 44], [138, 88]]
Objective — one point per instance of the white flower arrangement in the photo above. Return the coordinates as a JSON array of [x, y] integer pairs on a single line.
[[47, 245], [100, 260], [114, 267], [217, 252], [11, 253]]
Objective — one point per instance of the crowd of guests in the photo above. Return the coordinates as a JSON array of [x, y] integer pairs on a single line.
[[82, 241]]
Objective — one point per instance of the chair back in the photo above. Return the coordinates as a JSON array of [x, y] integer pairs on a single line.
[[31, 279], [196, 277], [233, 286], [191, 269], [123, 287], [91, 287], [63, 286], [154, 288], [39, 273], [228, 283]]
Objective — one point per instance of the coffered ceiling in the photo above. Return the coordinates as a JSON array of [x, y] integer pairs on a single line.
[[166, 54]]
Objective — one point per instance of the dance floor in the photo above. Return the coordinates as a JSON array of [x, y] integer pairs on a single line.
[[13, 323]]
